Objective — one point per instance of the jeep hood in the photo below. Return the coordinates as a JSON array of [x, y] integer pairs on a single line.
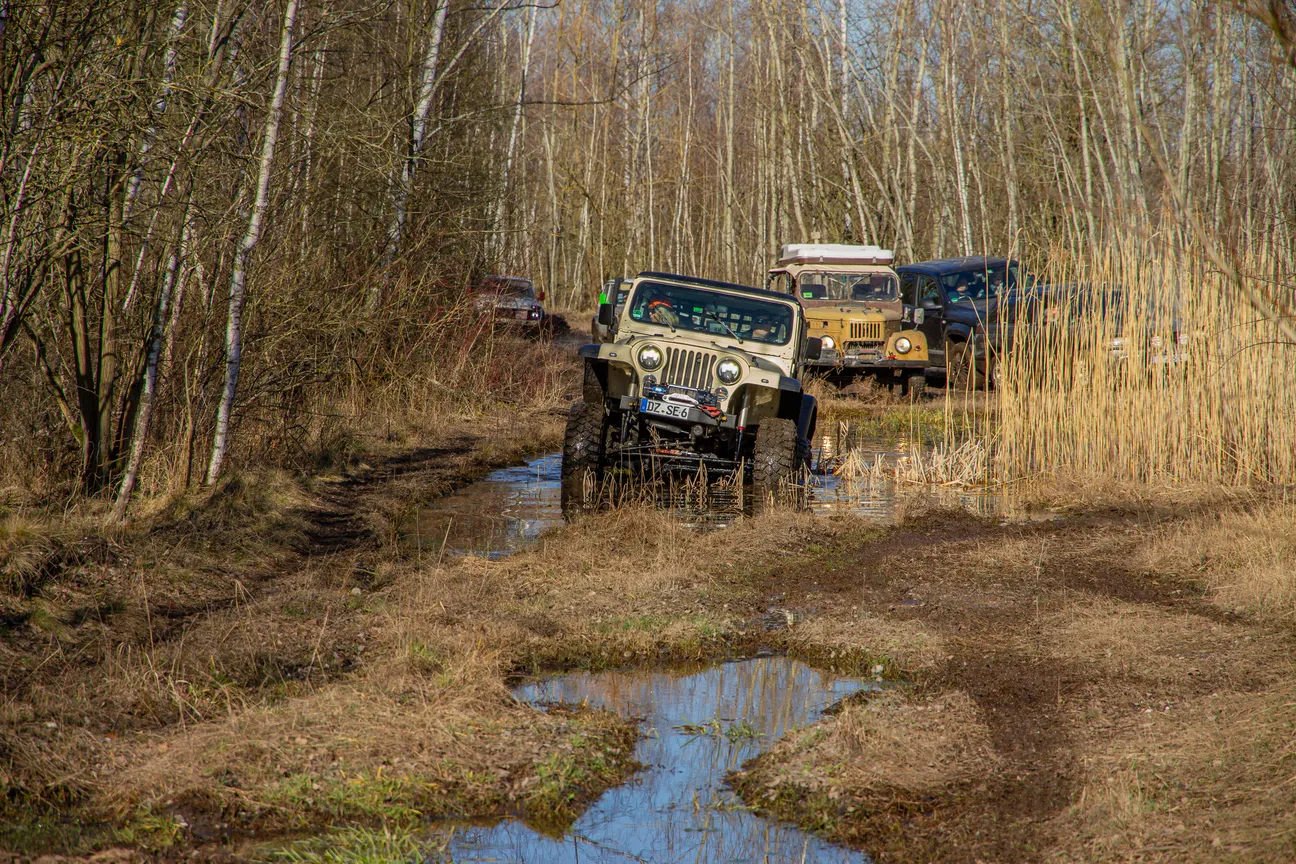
[[749, 350], [838, 309]]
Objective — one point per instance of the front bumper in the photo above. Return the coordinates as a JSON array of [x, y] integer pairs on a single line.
[[866, 358], [696, 416]]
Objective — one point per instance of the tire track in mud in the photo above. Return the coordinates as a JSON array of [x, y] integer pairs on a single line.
[[1030, 689]]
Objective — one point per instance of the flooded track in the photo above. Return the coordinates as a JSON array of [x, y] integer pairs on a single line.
[[699, 724], [509, 509]]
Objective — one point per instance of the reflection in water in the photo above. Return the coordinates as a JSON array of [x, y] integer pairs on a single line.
[[502, 513], [677, 809], [870, 490], [509, 508]]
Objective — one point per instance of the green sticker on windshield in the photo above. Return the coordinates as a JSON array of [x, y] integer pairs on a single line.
[[602, 297]]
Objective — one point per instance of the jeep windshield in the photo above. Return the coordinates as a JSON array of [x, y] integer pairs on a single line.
[[679, 307], [982, 282], [849, 287], [509, 288]]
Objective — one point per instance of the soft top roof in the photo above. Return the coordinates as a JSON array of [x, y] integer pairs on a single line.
[[714, 283], [496, 281], [834, 253], [942, 266]]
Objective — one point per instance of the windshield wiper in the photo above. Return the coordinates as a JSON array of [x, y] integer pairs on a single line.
[[716, 318]]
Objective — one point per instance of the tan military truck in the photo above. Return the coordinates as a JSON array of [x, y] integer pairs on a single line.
[[852, 300], [699, 374]]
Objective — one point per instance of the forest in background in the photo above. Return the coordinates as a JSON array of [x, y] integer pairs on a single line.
[[236, 231]]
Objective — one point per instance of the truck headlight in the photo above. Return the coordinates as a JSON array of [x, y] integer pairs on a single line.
[[728, 370], [650, 357], [903, 345], [828, 343]]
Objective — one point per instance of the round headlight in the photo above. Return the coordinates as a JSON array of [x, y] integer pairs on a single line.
[[728, 370], [903, 345], [828, 343], [650, 357]]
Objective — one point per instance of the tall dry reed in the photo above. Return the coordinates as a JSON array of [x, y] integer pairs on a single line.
[[1143, 364]]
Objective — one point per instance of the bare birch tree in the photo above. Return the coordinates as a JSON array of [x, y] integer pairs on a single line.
[[243, 256]]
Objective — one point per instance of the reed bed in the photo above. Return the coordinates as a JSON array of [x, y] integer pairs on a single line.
[[1143, 365]]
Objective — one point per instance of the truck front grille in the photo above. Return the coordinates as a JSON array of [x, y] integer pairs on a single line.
[[867, 331], [687, 368]]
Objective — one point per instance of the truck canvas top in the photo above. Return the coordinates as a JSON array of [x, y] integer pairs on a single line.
[[833, 253]]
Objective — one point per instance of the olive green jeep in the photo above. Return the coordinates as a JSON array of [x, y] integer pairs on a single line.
[[852, 300], [699, 374]]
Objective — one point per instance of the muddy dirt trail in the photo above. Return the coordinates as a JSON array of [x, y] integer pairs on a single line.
[[1051, 691], [1070, 659]]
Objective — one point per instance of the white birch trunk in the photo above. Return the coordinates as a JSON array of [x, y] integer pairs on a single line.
[[501, 205], [164, 321], [159, 106], [404, 187], [238, 277]]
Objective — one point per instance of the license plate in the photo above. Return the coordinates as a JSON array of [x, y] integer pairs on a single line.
[[522, 314], [665, 409]]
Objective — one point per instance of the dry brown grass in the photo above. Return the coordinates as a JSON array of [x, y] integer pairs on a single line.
[[392, 700], [897, 742], [1245, 556], [1209, 779]]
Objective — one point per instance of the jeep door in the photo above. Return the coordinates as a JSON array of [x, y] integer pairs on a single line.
[[923, 292]]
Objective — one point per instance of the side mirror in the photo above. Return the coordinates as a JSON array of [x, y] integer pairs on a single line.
[[813, 348], [918, 316], [539, 295], [606, 314]]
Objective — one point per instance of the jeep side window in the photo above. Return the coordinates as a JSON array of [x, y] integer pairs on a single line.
[[781, 282], [928, 292], [909, 289]]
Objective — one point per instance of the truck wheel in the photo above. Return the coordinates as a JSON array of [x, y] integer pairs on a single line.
[[582, 462], [916, 386], [779, 458], [958, 365]]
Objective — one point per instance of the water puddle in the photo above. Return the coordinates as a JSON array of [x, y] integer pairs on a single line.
[[864, 485], [508, 509], [499, 514], [699, 725]]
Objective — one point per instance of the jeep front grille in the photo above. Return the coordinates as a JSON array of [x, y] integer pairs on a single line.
[[867, 331], [686, 368]]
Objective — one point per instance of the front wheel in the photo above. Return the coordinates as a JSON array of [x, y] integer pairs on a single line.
[[779, 460], [582, 462], [959, 366]]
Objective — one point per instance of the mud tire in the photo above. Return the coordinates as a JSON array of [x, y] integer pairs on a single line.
[[916, 387], [778, 461], [958, 366], [582, 462]]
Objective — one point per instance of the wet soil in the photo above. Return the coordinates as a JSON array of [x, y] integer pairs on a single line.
[[1045, 701], [1004, 604]]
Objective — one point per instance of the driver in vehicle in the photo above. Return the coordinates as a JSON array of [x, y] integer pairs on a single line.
[[960, 289], [871, 288], [763, 328], [660, 312]]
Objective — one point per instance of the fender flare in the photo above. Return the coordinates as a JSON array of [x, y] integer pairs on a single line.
[[959, 332], [801, 408], [809, 418]]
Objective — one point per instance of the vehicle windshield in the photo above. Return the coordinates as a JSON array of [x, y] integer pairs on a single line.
[[679, 307], [849, 287], [509, 288], [982, 282]]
